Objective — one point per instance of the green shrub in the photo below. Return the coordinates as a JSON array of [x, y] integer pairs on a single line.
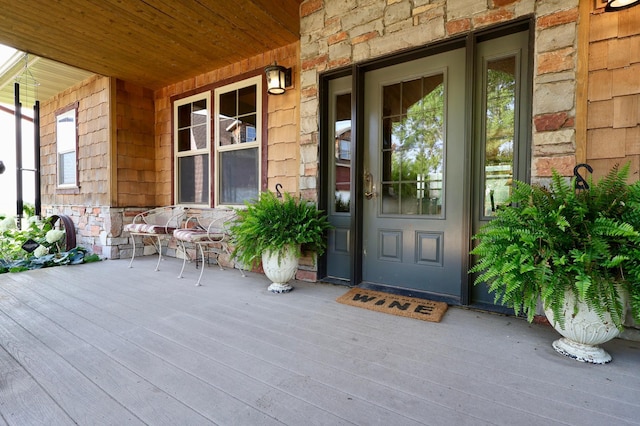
[[271, 223], [555, 239]]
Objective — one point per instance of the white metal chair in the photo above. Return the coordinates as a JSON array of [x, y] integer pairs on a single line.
[[157, 224], [208, 231]]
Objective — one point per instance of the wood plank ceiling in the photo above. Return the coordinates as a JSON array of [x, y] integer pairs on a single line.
[[152, 43]]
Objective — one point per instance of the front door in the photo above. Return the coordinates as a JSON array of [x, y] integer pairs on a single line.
[[414, 175]]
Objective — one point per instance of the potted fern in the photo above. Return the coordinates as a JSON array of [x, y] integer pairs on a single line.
[[273, 230], [576, 251]]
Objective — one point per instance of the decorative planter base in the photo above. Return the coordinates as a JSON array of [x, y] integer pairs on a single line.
[[580, 352], [584, 330], [280, 269], [279, 288]]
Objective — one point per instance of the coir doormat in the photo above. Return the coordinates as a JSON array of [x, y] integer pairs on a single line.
[[412, 307]]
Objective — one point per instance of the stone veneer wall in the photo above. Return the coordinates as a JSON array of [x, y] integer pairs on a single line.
[[336, 33], [109, 174]]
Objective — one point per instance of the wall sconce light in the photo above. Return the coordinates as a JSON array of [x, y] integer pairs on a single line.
[[278, 78], [615, 5]]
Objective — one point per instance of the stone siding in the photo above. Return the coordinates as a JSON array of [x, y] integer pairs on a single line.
[[336, 33], [99, 228]]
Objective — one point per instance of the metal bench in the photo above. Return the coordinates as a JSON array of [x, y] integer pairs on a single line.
[[208, 231], [157, 224]]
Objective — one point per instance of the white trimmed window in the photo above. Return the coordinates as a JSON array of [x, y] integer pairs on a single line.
[[238, 141], [192, 136], [67, 146]]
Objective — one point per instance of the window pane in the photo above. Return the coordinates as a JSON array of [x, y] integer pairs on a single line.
[[184, 140], [193, 178], [247, 100], [66, 140], [239, 180], [413, 148], [184, 116], [67, 165], [199, 134], [499, 132], [247, 128], [228, 104], [391, 103], [342, 194]]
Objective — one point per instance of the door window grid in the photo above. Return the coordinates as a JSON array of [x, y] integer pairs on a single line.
[[413, 124]]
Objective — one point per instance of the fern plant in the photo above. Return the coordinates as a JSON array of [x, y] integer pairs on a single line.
[[550, 240], [270, 224]]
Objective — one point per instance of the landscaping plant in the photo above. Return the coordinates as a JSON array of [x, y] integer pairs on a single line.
[[49, 252], [271, 223], [549, 240]]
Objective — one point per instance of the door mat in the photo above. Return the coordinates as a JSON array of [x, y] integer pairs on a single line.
[[412, 307]]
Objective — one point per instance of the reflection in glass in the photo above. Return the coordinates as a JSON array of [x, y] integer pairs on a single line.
[[499, 132], [342, 150], [192, 126], [413, 146], [237, 117]]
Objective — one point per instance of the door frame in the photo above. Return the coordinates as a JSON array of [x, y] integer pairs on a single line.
[[358, 72]]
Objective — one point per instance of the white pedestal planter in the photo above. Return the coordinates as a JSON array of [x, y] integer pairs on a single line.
[[583, 332], [280, 269]]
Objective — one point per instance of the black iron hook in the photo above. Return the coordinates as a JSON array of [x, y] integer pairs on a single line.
[[278, 188], [581, 183]]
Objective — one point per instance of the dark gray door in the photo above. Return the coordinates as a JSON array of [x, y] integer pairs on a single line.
[[414, 210]]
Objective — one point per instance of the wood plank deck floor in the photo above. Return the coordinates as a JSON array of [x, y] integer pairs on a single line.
[[102, 344]]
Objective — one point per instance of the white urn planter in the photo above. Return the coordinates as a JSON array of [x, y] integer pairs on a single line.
[[584, 331], [280, 269]]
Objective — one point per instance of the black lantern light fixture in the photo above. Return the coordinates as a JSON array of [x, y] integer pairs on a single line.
[[278, 78], [615, 5]]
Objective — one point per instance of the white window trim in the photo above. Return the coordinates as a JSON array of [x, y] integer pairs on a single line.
[[177, 154], [257, 81]]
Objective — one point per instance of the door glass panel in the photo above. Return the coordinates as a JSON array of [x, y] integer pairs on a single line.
[[499, 132], [413, 146], [342, 153]]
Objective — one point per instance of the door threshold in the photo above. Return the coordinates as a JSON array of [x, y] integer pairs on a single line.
[[400, 291]]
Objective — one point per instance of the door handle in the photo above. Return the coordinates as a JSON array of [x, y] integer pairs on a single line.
[[369, 187]]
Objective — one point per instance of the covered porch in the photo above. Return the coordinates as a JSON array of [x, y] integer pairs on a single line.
[[104, 344]]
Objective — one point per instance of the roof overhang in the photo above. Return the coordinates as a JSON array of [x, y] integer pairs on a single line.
[[152, 44]]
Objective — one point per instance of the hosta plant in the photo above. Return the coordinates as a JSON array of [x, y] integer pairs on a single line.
[[549, 240], [49, 250]]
